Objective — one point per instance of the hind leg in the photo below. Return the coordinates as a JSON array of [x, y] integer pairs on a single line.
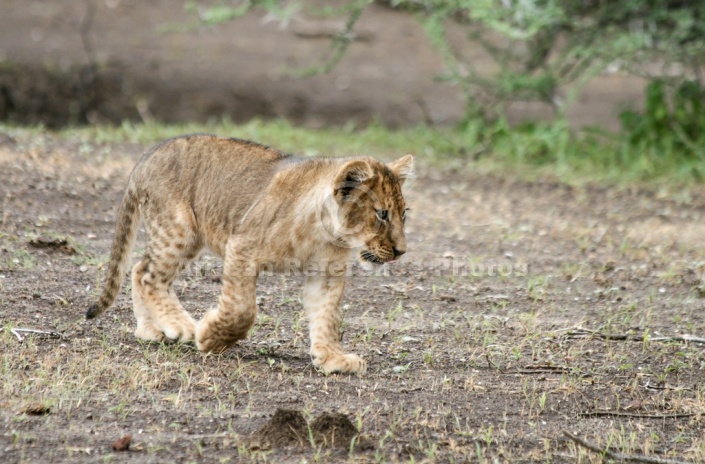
[[159, 313], [173, 243], [146, 330]]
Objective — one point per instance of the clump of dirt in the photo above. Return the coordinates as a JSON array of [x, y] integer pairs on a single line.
[[289, 428], [333, 430], [286, 428]]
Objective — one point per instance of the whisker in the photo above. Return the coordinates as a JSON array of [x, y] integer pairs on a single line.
[[371, 257]]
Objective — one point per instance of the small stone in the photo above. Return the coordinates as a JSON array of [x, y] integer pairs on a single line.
[[122, 444]]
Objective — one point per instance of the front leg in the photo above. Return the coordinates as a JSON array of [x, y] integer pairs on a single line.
[[237, 308], [322, 295]]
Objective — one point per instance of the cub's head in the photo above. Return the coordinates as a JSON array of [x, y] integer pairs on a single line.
[[371, 209]]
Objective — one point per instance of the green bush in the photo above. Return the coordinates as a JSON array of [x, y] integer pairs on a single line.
[[672, 123]]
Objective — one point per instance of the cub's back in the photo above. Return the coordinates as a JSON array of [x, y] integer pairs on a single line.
[[218, 178], [202, 157]]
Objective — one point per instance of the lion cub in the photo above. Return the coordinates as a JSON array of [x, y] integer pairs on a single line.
[[260, 210]]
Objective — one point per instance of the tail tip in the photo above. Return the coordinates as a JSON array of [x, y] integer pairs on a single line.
[[93, 311]]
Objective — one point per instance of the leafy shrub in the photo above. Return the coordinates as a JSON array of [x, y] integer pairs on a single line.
[[673, 120]]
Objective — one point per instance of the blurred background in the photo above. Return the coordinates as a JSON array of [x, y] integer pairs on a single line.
[[80, 61], [587, 69]]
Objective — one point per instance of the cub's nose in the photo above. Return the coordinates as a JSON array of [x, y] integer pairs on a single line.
[[398, 253]]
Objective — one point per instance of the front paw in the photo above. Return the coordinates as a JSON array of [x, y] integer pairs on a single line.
[[215, 336], [332, 361], [180, 328]]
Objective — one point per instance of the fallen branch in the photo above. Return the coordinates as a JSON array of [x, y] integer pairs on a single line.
[[543, 369], [635, 414], [580, 332], [49, 333], [620, 456]]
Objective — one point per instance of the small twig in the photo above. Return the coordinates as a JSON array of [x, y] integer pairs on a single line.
[[649, 386], [536, 368], [19, 337], [49, 333], [207, 435], [682, 338], [580, 332], [410, 390], [593, 333], [493, 365], [636, 414], [620, 456], [537, 371]]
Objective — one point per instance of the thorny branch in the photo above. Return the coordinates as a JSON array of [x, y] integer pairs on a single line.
[[340, 45]]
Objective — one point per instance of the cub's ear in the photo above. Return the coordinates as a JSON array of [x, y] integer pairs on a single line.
[[350, 177], [403, 168]]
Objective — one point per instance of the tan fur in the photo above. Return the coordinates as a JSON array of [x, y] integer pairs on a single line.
[[259, 209]]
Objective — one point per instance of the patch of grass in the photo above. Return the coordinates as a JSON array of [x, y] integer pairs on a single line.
[[346, 141], [537, 150], [21, 259]]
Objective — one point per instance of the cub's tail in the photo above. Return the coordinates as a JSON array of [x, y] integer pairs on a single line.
[[125, 232]]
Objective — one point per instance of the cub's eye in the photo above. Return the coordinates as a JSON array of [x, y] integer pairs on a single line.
[[382, 214]]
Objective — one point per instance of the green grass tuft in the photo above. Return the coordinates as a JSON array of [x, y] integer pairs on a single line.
[[549, 150]]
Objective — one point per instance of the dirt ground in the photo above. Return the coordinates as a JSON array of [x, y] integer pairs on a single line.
[[99, 61], [521, 311]]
